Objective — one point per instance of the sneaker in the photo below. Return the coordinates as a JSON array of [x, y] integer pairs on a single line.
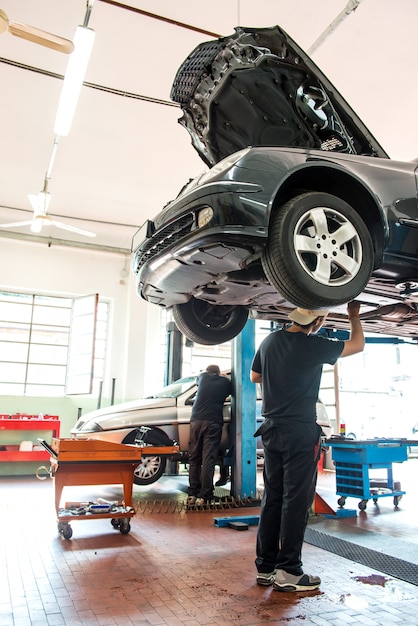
[[264, 578], [283, 581], [221, 482]]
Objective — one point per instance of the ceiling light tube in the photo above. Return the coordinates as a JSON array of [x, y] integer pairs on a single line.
[[73, 80]]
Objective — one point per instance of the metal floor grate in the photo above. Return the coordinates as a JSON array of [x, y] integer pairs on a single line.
[[398, 568]]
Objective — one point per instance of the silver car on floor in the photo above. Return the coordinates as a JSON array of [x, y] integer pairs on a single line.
[[163, 419]]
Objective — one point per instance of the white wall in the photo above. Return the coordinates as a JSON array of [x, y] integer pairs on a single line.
[[133, 354]]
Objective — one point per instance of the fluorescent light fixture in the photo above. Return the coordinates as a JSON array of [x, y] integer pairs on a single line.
[[73, 80]]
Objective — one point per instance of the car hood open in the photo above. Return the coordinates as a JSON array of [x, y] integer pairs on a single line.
[[257, 87]]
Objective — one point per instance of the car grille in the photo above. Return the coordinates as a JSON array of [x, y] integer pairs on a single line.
[[164, 238]]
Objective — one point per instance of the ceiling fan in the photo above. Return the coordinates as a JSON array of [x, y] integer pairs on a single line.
[[40, 203], [35, 35]]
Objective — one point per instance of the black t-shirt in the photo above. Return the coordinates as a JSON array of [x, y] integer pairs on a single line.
[[212, 392], [291, 368]]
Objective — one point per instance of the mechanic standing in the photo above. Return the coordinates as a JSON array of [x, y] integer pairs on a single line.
[[206, 423], [289, 364]]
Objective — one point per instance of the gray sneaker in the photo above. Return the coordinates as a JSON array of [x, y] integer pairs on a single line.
[[283, 581], [265, 578]]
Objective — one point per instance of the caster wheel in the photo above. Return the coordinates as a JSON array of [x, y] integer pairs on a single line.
[[341, 502], [375, 500], [67, 532], [115, 522], [396, 500], [125, 526], [362, 505]]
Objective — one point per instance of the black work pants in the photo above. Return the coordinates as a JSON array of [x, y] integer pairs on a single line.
[[205, 440], [291, 454]]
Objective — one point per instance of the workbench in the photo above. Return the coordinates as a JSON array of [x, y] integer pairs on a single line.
[[96, 462], [354, 459]]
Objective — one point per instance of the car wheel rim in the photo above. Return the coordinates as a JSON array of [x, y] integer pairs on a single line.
[[327, 246], [148, 467]]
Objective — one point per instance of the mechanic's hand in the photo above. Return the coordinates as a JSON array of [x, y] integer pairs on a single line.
[[353, 309]]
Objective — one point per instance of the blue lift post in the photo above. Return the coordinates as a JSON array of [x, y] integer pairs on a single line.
[[244, 480]]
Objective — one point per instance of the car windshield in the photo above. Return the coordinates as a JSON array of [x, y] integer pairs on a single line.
[[176, 388]]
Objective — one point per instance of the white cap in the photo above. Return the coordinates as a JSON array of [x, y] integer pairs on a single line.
[[304, 317]]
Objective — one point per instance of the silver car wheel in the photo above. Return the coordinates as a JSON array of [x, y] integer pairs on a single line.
[[328, 246], [149, 470], [319, 253]]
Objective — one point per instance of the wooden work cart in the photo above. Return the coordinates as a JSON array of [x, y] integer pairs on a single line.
[[96, 462]]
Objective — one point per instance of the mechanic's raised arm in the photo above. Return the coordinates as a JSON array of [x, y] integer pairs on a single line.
[[356, 342]]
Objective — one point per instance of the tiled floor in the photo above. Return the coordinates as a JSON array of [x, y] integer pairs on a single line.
[[177, 567]]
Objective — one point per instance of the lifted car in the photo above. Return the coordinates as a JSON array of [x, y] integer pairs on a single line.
[[301, 205]]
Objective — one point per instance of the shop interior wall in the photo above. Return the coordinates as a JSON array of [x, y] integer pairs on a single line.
[[134, 338]]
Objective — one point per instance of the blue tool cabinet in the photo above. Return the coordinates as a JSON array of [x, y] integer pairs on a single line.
[[354, 459]]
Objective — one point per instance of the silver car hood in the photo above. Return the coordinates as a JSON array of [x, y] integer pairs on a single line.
[[122, 414]]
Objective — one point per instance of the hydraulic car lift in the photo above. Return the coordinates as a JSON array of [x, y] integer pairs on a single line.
[[244, 423]]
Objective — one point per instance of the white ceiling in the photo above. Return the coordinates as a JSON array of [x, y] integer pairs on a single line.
[[126, 157]]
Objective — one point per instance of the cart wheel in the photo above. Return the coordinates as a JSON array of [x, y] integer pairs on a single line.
[[341, 501], [124, 526], [67, 531], [115, 522], [375, 500], [362, 505], [396, 500]]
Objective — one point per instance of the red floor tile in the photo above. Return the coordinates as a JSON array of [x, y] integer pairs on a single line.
[[177, 568]]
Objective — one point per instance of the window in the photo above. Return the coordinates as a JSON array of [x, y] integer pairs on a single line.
[[34, 339]]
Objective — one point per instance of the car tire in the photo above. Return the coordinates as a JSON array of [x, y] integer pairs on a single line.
[[151, 468], [209, 324], [319, 253]]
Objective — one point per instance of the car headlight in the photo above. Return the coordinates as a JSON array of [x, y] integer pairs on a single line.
[[204, 216]]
